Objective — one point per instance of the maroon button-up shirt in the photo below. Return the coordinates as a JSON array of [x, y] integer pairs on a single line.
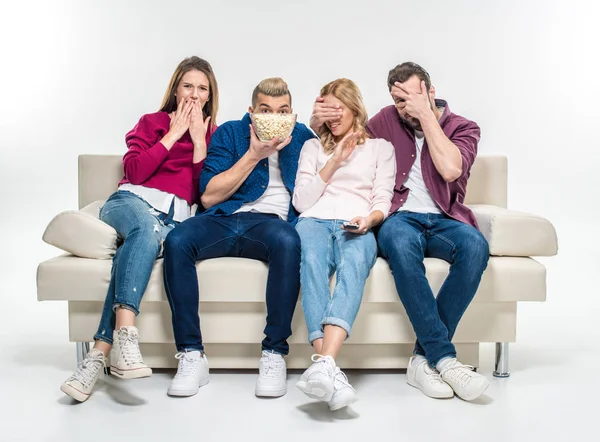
[[463, 133]]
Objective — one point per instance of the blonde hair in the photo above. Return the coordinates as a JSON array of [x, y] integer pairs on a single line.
[[169, 102], [271, 87], [348, 93]]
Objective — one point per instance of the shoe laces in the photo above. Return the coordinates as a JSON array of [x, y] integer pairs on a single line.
[[130, 346], [457, 372], [433, 375], [327, 360], [187, 364], [88, 369], [340, 380], [271, 365]]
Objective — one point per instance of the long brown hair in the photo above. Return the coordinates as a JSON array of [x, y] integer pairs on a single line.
[[169, 102], [348, 93]]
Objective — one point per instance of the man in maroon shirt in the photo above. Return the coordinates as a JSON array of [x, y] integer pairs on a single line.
[[435, 150]]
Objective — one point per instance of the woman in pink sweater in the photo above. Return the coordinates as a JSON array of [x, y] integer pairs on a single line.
[[344, 187], [162, 165]]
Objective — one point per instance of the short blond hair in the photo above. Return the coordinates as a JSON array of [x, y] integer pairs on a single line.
[[271, 87]]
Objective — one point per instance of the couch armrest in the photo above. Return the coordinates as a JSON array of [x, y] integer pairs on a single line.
[[512, 233], [81, 233]]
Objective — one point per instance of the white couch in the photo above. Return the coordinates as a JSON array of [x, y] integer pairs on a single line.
[[232, 290]]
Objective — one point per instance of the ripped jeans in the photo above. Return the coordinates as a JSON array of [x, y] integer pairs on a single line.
[[143, 230]]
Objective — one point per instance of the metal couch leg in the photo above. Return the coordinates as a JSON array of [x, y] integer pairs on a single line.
[[82, 349], [501, 365]]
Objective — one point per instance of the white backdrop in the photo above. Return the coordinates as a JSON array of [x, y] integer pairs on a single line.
[[76, 76]]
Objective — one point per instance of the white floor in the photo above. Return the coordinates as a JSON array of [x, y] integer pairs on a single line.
[[552, 394]]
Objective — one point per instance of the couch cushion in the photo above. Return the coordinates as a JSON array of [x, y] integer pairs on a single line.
[[69, 278], [81, 233], [512, 233]]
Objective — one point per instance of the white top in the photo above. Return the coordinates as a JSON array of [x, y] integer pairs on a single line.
[[276, 198], [419, 200], [363, 183], [160, 200]]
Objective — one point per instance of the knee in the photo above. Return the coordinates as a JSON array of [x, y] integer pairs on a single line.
[[286, 239], [176, 242], [475, 247]]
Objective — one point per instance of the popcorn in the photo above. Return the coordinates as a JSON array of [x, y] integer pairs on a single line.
[[269, 126]]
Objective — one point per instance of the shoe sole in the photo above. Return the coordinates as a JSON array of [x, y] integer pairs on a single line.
[[130, 374], [316, 390], [343, 404], [187, 393], [475, 395], [434, 395], [270, 393], [74, 393]]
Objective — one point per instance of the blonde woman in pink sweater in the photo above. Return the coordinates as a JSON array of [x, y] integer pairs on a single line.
[[344, 188]]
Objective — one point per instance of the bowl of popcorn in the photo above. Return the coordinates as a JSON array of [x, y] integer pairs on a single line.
[[269, 126]]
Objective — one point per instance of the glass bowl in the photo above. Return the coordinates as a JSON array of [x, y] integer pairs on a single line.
[[269, 126]]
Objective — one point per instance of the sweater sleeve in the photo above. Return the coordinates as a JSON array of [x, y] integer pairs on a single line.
[[309, 185], [197, 169], [385, 178], [145, 152]]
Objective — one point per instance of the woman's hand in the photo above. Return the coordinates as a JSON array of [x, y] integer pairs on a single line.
[[198, 126], [363, 225], [180, 123], [344, 148]]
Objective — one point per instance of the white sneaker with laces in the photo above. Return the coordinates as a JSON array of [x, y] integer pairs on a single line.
[[272, 375], [125, 358], [79, 386], [467, 384], [420, 375], [343, 393], [317, 381], [192, 373]]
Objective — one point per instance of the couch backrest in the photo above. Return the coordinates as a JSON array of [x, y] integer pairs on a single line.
[[99, 176]]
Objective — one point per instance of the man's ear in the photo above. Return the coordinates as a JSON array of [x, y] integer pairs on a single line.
[[432, 93], [250, 109]]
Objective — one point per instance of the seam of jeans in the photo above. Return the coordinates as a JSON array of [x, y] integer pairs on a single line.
[[216, 242], [255, 240], [446, 240]]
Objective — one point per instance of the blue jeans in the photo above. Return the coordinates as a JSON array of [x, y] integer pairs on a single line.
[[258, 236], [405, 239], [143, 230], [326, 249]]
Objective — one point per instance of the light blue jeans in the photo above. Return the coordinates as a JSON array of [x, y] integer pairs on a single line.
[[143, 230], [326, 249]]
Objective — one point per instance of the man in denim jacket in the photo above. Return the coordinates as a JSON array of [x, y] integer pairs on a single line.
[[246, 187]]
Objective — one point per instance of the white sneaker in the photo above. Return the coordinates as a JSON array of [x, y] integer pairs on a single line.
[[467, 384], [317, 381], [343, 393], [192, 373], [420, 375], [79, 386], [272, 375], [125, 358]]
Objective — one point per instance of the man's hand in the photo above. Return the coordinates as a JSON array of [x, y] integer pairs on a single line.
[[417, 105], [323, 113], [259, 150]]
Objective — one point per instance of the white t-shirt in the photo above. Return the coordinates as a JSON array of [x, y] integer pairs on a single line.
[[419, 200], [160, 200], [276, 199]]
